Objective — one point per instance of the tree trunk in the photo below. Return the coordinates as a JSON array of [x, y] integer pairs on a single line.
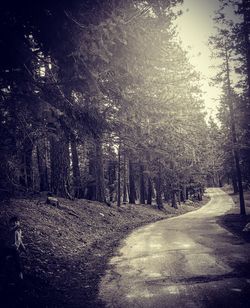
[[150, 191], [167, 194], [200, 194], [99, 172], [158, 187], [241, 193], [60, 162], [111, 180], [42, 164], [234, 182], [183, 193], [132, 191], [179, 197], [234, 137], [90, 185], [119, 176], [142, 185], [76, 170], [124, 179], [173, 200], [26, 164]]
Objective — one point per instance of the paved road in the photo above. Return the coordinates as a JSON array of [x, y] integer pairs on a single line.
[[185, 261]]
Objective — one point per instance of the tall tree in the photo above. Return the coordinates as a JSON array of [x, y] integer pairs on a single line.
[[225, 51]]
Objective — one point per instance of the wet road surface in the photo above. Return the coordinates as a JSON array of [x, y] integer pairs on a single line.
[[185, 261]]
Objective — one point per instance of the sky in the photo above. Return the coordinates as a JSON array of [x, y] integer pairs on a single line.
[[195, 26]]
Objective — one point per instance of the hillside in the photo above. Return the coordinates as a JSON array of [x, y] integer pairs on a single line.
[[235, 222], [68, 247]]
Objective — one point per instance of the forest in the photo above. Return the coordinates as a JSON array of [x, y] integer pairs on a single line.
[[99, 101]]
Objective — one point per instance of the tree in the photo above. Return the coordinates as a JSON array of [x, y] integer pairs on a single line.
[[224, 49], [110, 109]]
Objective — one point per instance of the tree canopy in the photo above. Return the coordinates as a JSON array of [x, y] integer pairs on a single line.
[[99, 101]]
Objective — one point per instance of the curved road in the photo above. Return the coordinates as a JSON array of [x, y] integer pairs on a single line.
[[185, 261]]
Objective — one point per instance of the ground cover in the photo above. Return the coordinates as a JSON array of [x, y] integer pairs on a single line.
[[68, 248]]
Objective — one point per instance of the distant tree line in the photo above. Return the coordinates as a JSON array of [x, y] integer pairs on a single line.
[[99, 101]]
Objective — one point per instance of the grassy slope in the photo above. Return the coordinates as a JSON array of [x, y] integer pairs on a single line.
[[68, 247], [233, 221]]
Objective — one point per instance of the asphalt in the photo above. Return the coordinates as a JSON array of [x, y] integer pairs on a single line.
[[185, 261]]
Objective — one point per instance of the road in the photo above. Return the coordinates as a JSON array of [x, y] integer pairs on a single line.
[[185, 261]]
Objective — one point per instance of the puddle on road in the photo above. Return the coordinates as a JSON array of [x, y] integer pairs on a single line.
[[154, 275], [236, 290], [184, 244], [172, 290], [155, 245], [156, 256], [181, 280], [142, 294]]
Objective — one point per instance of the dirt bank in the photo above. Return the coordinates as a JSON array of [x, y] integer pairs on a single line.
[[233, 221], [68, 248]]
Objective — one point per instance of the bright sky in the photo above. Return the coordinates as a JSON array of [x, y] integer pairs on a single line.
[[194, 27]]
